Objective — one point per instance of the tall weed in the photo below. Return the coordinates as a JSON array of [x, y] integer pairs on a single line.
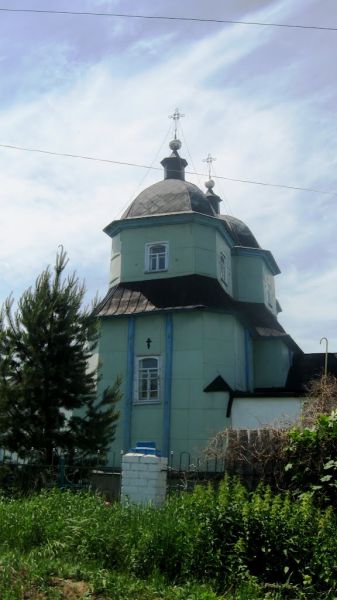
[[222, 538]]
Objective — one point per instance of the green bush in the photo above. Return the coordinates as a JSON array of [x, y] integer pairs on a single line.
[[311, 459]]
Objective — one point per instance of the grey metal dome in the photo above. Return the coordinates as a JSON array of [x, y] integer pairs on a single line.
[[239, 232], [169, 196], [175, 195]]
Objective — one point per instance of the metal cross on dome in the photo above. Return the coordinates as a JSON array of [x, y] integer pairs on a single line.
[[176, 116], [209, 160]]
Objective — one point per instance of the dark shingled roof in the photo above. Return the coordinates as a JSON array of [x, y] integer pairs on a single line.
[[169, 196], [218, 385], [239, 232], [307, 367], [188, 292]]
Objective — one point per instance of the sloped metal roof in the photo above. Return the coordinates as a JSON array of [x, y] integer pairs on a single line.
[[169, 196], [239, 232], [187, 293], [307, 367]]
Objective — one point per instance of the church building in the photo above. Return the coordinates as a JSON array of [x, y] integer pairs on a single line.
[[190, 322]]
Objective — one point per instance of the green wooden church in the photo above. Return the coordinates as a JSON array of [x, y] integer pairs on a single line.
[[190, 322]]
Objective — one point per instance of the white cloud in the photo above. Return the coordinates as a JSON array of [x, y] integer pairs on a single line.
[[259, 127]]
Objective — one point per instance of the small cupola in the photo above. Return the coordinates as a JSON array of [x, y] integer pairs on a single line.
[[213, 199], [174, 165]]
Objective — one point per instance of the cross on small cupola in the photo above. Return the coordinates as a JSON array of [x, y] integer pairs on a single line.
[[177, 115], [213, 198], [174, 165], [209, 160]]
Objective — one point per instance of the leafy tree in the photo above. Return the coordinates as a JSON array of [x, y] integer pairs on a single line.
[[48, 397]]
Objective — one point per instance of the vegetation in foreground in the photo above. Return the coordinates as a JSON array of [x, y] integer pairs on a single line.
[[45, 385], [299, 458], [203, 545]]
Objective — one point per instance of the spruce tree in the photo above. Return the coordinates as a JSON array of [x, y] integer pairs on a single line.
[[48, 396]]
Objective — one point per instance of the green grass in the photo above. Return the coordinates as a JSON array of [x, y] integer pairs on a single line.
[[204, 545]]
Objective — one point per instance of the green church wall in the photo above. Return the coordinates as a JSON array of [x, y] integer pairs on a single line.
[[115, 260], [224, 349], [147, 420], [253, 281], [152, 328], [193, 248], [196, 363], [248, 278], [113, 360], [223, 248], [271, 363], [204, 248], [181, 251], [147, 423], [205, 345]]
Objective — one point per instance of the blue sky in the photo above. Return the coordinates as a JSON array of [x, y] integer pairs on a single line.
[[262, 100]]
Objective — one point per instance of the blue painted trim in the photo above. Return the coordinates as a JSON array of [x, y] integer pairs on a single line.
[[167, 385], [248, 356], [129, 384]]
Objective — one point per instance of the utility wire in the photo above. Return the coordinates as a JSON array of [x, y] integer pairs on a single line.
[[130, 164], [126, 204], [164, 18]]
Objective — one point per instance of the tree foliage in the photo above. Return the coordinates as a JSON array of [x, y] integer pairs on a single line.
[[48, 397], [311, 449], [300, 458]]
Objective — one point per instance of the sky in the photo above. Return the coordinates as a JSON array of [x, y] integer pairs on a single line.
[[262, 100]]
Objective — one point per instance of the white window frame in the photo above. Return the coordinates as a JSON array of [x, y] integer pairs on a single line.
[[148, 265], [223, 268], [146, 372]]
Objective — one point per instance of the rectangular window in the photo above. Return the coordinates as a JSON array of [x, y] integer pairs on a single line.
[[156, 257], [147, 380], [223, 268]]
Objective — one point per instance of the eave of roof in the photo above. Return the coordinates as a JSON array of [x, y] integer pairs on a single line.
[[117, 226], [307, 367], [189, 292], [265, 254]]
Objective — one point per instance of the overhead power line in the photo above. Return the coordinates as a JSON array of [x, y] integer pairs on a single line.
[[164, 18], [131, 164]]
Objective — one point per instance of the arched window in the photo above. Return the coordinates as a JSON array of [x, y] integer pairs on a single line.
[[147, 384], [156, 257]]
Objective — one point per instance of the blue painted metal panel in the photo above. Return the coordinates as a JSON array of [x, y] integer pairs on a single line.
[[129, 384], [146, 448], [167, 385]]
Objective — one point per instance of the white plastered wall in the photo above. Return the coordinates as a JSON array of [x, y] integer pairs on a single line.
[[255, 413]]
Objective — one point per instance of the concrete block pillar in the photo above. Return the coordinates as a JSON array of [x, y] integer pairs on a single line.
[[144, 475]]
